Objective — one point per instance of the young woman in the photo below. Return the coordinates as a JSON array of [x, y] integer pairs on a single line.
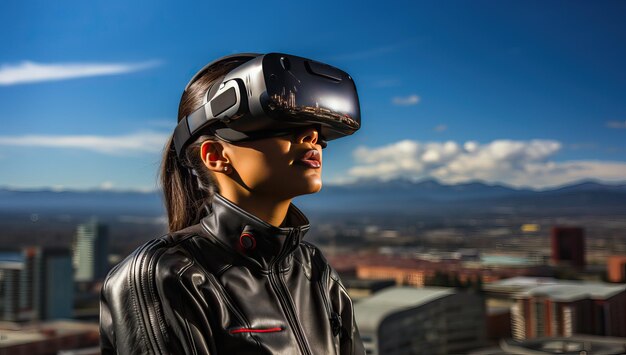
[[234, 275]]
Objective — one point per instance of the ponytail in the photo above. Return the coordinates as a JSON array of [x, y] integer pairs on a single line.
[[183, 187], [188, 185]]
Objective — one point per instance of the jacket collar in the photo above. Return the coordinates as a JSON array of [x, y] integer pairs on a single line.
[[257, 241]]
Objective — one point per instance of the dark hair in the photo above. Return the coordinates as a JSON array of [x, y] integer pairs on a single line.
[[188, 185]]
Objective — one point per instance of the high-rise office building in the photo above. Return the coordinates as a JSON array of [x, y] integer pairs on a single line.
[[58, 283], [11, 266], [36, 284], [568, 246], [30, 284], [91, 250]]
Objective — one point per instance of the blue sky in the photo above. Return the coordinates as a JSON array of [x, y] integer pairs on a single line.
[[526, 93]]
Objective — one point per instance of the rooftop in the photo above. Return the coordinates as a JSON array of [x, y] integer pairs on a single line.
[[371, 311], [572, 291], [519, 283], [557, 290], [505, 260]]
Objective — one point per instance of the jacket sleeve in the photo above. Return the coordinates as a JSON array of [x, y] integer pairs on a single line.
[[146, 308], [350, 339]]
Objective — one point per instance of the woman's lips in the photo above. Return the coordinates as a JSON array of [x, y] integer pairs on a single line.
[[310, 163], [311, 159]]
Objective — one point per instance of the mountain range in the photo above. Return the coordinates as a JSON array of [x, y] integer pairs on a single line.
[[398, 196]]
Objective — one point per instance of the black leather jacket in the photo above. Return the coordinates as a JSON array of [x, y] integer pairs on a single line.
[[232, 284]]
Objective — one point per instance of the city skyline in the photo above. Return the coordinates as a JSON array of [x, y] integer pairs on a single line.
[[528, 94]]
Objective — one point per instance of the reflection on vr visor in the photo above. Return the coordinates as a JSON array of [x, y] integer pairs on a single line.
[[286, 106]]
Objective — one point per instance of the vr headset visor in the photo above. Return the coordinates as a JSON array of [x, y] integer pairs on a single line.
[[270, 94]]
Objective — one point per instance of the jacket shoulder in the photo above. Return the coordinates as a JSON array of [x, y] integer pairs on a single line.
[[151, 254], [154, 253], [132, 316]]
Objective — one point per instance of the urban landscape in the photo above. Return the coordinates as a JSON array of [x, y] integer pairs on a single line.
[[438, 284]]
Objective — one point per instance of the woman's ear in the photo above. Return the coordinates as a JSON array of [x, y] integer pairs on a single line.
[[213, 157]]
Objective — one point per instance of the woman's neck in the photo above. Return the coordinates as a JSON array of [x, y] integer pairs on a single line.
[[267, 208]]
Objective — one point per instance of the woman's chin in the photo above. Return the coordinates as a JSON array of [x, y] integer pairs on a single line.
[[313, 186], [316, 188]]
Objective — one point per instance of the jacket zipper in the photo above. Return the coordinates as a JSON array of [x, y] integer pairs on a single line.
[[283, 296]]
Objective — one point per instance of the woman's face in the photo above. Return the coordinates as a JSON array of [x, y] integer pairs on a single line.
[[274, 167]]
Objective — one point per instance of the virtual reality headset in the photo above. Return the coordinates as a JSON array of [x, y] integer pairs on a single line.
[[270, 95]]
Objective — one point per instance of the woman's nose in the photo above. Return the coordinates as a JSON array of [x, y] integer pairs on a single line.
[[309, 134]]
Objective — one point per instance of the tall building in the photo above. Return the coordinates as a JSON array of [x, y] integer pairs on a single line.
[[58, 284], [36, 284], [568, 246], [91, 250], [428, 320], [564, 308], [30, 284], [11, 266]]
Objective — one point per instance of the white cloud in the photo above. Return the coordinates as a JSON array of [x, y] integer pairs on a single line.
[[128, 144], [616, 124], [31, 72], [516, 163], [108, 186], [406, 101]]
